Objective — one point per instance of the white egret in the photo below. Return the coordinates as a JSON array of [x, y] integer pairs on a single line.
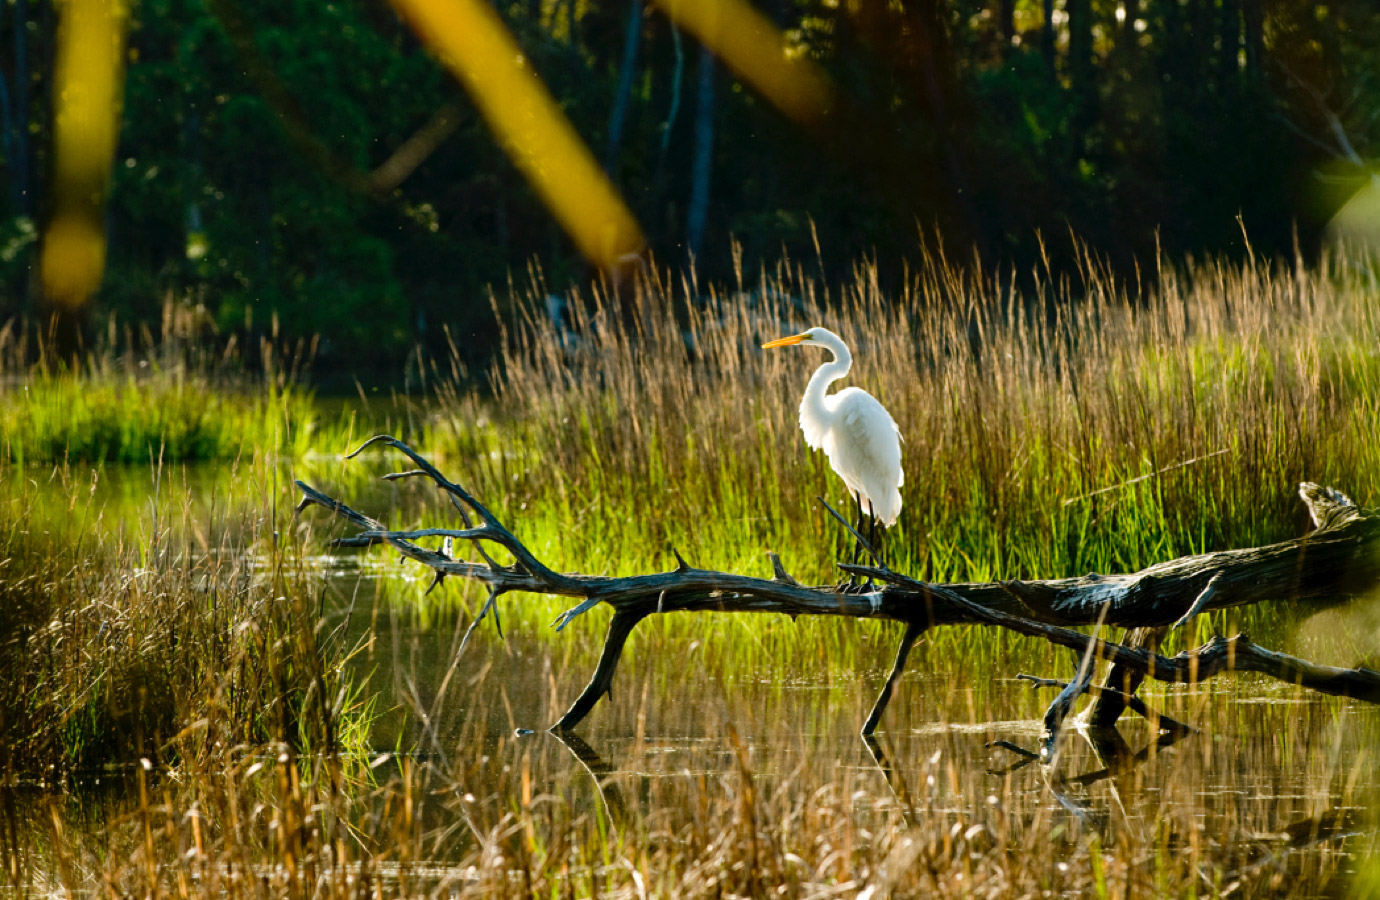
[[855, 431]]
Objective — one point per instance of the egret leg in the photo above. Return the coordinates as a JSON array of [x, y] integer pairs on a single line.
[[875, 536], [857, 547], [872, 534]]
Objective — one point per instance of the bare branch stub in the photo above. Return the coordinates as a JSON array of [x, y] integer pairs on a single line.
[[1129, 701], [1121, 684], [622, 624], [779, 571], [1060, 707], [1340, 558]]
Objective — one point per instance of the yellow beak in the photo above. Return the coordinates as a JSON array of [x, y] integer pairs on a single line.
[[785, 341]]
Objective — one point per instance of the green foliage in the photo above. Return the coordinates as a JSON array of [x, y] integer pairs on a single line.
[[251, 130], [223, 195]]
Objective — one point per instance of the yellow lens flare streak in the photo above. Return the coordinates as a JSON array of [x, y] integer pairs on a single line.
[[87, 85], [754, 48], [470, 39]]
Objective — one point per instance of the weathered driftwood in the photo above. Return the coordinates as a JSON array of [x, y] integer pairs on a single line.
[[1338, 559]]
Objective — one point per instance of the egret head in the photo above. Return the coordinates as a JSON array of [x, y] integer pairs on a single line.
[[815, 337]]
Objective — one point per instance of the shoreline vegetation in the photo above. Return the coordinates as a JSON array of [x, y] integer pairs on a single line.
[[141, 399], [1047, 434]]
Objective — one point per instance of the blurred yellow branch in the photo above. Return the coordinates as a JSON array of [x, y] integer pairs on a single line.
[[754, 48], [470, 39], [86, 100]]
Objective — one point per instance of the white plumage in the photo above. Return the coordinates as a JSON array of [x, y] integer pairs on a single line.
[[854, 430]]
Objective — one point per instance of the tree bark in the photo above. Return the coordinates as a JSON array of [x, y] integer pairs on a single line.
[[1253, 22], [1122, 683], [936, 73], [1006, 25], [1129, 35], [1229, 38], [19, 165], [1080, 47]]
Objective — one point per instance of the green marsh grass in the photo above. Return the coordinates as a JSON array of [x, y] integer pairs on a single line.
[[182, 400]]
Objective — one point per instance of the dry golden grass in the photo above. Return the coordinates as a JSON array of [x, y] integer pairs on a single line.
[[1283, 810], [171, 630]]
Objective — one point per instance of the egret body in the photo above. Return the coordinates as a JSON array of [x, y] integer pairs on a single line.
[[854, 430]]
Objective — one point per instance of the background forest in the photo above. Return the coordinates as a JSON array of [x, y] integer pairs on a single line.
[[310, 162]]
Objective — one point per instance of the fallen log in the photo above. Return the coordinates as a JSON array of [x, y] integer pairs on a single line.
[[1340, 558]]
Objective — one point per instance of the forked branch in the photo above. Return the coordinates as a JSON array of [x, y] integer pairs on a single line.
[[1340, 558]]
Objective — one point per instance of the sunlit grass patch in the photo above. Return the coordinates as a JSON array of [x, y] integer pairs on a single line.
[[176, 402], [55, 418]]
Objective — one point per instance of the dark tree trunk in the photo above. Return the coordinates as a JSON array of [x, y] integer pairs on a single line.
[[1122, 683], [1047, 35], [1253, 18], [1175, 48], [1201, 34], [1082, 75], [1129, 37], [623, 94], [702, 163], [662, 193], [1080, 48], [1006, 24], [1230, 39], [7, 120], [19, 112], [936, 74], [673, 106]]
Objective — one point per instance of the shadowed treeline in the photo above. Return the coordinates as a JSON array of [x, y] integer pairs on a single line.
[[313, 162]]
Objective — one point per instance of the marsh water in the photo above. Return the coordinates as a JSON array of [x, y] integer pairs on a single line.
[[704, 703], [1264, 756]]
